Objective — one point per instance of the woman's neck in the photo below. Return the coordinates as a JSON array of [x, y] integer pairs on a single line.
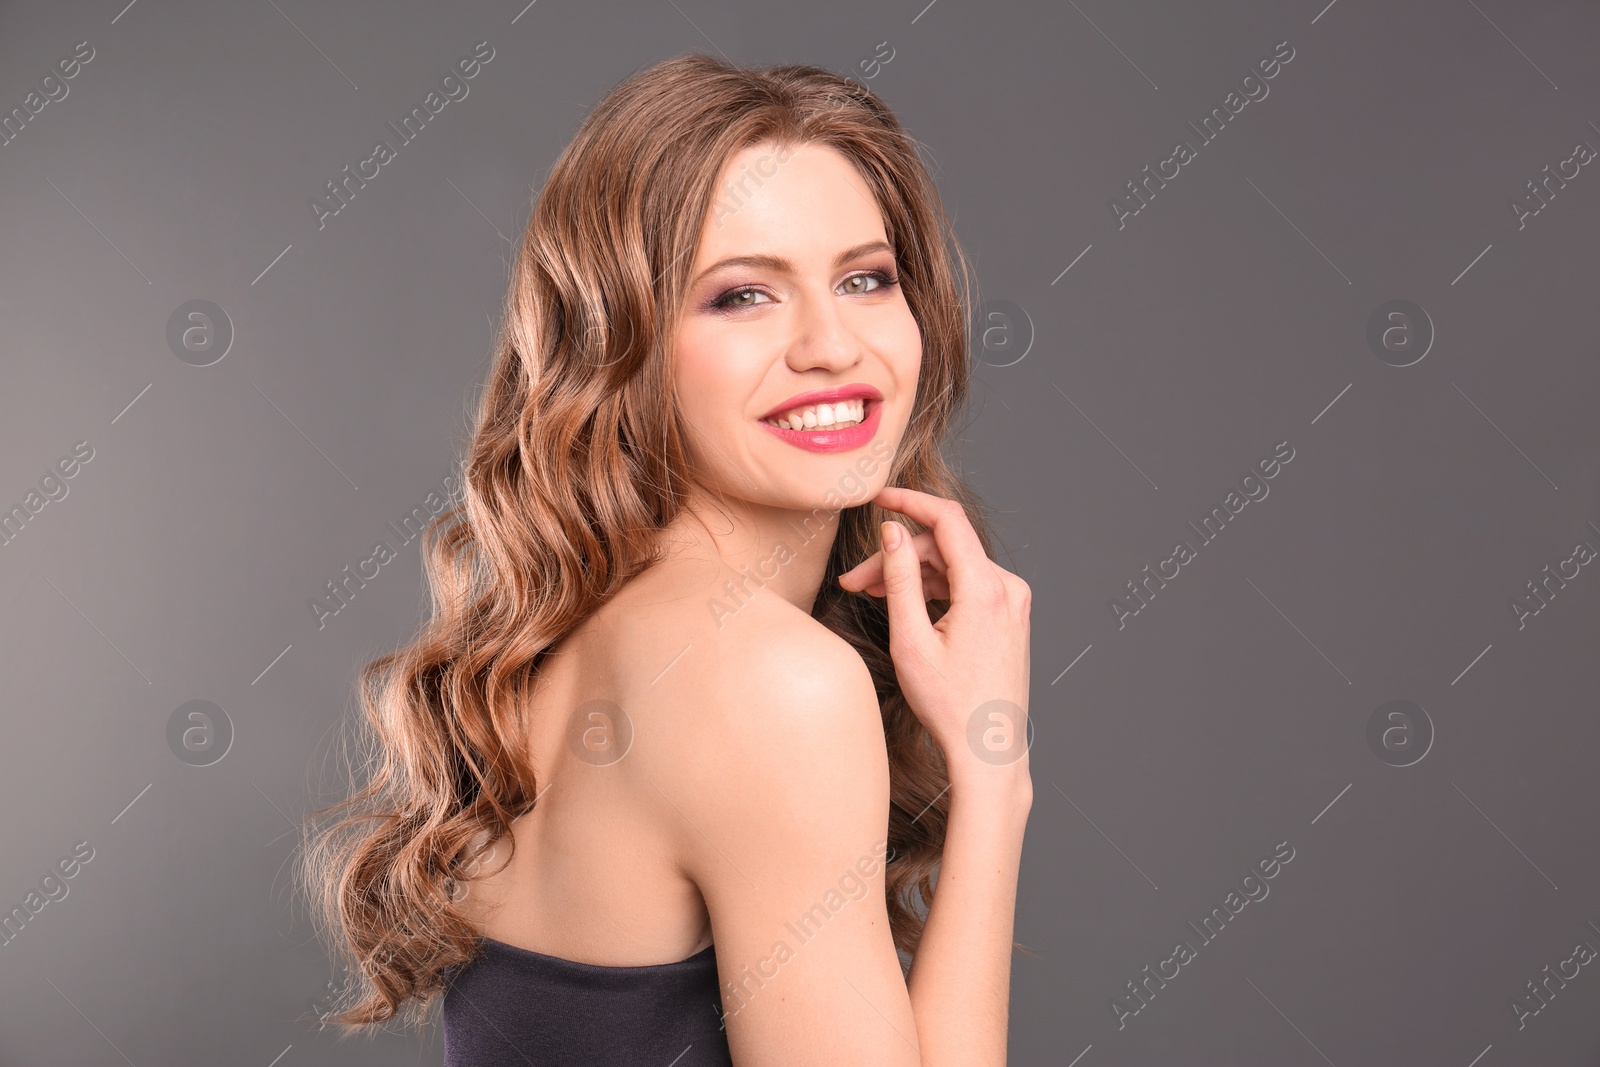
[[755, 548]]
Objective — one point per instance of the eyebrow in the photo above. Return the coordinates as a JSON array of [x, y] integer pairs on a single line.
[[783, 266]]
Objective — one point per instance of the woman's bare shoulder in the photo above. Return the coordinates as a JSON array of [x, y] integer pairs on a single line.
[[768, 704], [769, 644], [685, 634]]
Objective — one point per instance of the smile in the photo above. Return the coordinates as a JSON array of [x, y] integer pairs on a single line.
[[838, 427], [821, 416]]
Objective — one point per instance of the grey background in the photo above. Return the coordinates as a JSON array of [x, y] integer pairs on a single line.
[[1229, 315]]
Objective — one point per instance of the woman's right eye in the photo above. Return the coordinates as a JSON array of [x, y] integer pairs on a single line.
[[733, 299]]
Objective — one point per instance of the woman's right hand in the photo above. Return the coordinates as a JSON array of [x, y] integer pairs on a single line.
[[966, 676]]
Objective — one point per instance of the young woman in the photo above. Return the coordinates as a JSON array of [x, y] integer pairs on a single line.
[[661, 780]]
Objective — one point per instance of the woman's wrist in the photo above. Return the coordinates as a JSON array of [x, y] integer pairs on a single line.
[[1006, 787]]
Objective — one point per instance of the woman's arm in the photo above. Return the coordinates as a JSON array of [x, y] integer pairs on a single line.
[[771, 781], [777, 798], [960, 982], [966, 678]]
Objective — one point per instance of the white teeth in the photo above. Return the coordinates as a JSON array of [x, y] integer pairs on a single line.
[[833, 416]]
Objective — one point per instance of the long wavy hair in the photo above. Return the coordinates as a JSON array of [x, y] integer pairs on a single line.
[[573, 467]]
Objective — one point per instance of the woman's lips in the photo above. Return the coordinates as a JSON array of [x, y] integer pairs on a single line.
[[851, 437], [855, 391]]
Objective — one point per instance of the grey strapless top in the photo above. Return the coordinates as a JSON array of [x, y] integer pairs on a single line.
[[512, 1007]]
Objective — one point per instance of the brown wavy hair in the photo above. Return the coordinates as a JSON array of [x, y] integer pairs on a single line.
[[573, 467]]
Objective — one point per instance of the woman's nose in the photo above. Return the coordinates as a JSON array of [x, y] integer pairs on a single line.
[[823, 337]]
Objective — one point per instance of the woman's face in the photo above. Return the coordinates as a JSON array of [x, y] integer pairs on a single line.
[[794, 315]]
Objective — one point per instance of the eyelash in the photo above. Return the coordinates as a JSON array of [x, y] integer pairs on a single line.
[[723, 304]]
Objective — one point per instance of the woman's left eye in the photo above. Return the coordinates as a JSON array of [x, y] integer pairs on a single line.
[[882, 279]]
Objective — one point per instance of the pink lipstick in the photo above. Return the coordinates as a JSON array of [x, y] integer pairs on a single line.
[[840, 440]]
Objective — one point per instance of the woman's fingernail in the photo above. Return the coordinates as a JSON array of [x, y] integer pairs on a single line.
[[891, 535]]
